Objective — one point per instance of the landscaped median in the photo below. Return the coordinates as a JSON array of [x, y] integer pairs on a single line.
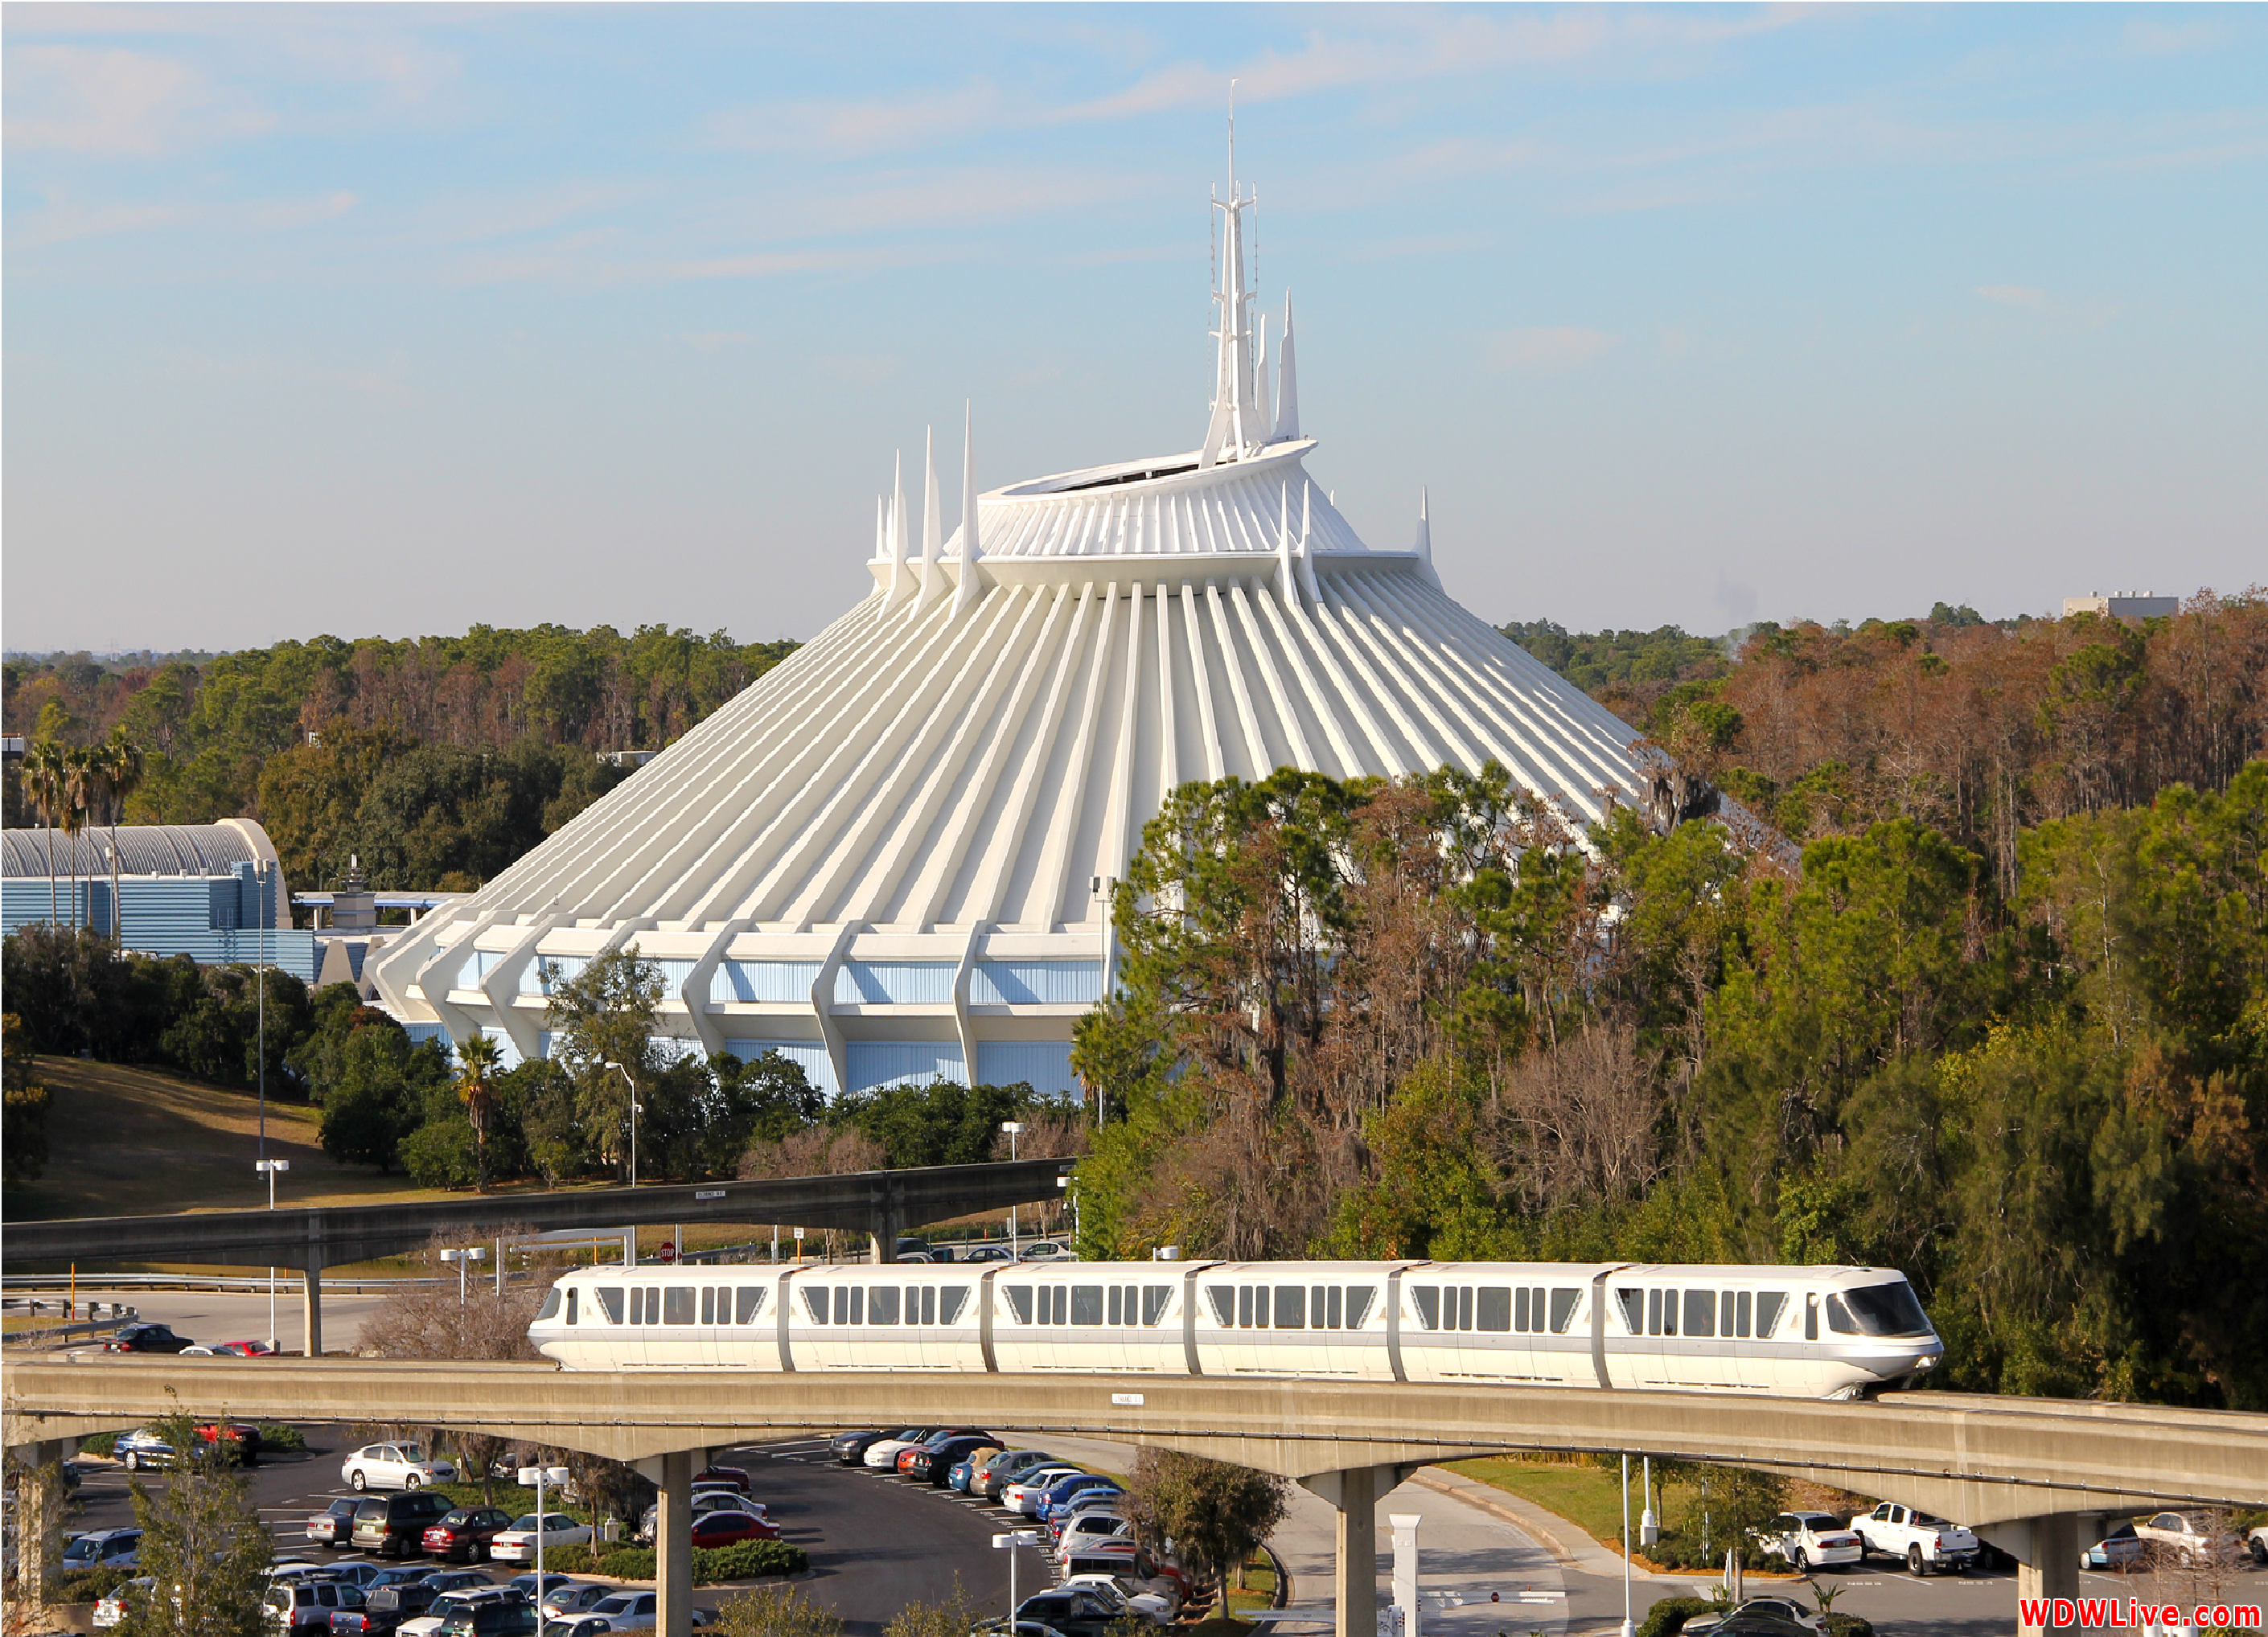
[[713, 1566]]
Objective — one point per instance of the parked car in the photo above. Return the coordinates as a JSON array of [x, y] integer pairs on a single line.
[[394, 1466], [996, 1473], [114, 1606], [575, 1597], [246, 1349], [517, 1544], [513, 1617], [1157, 1608], [394, 1525], [526, 1585], [932, 1462], [633, 1610], [144, 1337], [361, 1573], [1088, 1528], [1023, 1495], [882, 1455], [725, 1477], [577, 1625], [142, 1450], [704, 1503], [2121, 1549], [1075, 1611], [450, 1604], [1784, 1611], [987, 1254], [1925, 1542], [104, 1548], [392, 1597], [726, 1529], [850, 1449], [1012, 1628], [1060, 1493], [1092, 1502], [1045, 1250], [1811, 1540], [464, 1533], [305, 1604], [331, 1526], [963, 1472], [2256, 1542], [2191, 1538]]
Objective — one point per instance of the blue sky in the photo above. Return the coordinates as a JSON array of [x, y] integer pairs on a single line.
[[365, 319]]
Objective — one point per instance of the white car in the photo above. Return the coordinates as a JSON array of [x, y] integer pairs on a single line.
[[517, 1544], [633, 1610], [1922, 1541], [883, 1453], [1046, 1250], [1024, 1495], [2192, 1537], [1087, 1527], [394, 1466], [1811, 1540], [109, 1611], [1157, 1608], [567, 1602]]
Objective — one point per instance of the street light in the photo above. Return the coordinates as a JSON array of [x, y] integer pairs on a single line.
[[536, 1475], [1014, 1129], [625, 1073], [1071, 1195], [471, 1253], [1008, 1543], [271, 1166]]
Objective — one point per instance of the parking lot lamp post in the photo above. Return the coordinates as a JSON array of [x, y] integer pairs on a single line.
[[1628, 1629], [536, 1475], [270, 1167], [1071, 1194], [469, 1254], [1008, 1543], [625, 1073], [1014, 1129]]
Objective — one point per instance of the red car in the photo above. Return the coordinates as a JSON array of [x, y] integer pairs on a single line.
[[243, 1435], [246, 1349], [731, 1477], [725, 1528], [464, 1533]]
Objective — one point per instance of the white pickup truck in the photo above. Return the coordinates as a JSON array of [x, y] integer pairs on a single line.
[[1924, 1543]]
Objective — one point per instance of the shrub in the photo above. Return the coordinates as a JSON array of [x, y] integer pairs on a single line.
[[1849, 1625], [745, 1560], [87, 1585], [1667, 1618], [282, 1435], [627, 1563], [102, 1443]]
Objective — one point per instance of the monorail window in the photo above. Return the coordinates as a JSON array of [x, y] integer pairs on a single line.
[[748, 1302], [1564, 1301], [677, 1305], [1810, 1317], [638, 1305], [1058, 1299], [928, 1306], [1838, 1317], [1427, 1300], [1700, 1312], [1494, 1307], [814, 1302], [1333, 1306], [1890, 1309], [1020, 1301], [950, 1300], [1768, 1304], [882, 1304], [1633, 1303], [1455, 1308], [572, 1304], [1290, 1306], [611, 1301], [1661, 1313], [1359, 1298], [1223, 1298], [550, 1308], [1086, 1304], [709, 1304], [1155, 1299]]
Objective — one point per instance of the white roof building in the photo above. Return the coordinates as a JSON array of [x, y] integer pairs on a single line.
[[886, 858]]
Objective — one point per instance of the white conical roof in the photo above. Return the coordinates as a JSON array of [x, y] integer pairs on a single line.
[[885, 855]]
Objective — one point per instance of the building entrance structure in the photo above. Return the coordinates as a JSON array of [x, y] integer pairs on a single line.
[[890, 858]]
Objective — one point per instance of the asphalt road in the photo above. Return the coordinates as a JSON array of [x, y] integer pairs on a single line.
[[210, 1316], [876, 1543]]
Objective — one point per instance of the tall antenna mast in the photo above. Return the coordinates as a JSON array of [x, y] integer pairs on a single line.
[[1239, 425]]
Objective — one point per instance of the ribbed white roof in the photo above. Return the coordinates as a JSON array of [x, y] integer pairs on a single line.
[[962, 756]]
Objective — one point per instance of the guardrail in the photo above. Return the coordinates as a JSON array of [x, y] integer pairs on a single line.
[[286, 1284], [64, 1332]]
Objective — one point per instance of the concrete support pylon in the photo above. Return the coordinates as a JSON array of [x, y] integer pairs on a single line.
[[2046, 1550], [36, 1529], [1355, 1493], [311, 1302], [672, 1539]]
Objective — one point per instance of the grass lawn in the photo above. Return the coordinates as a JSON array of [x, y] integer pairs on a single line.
[[1590, 1497]]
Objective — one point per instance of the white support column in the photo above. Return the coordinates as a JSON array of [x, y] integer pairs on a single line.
[[822, 1005], [1405, 1570]]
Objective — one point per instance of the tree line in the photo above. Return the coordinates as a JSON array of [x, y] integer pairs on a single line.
[[463, 740], [1426, 1018]]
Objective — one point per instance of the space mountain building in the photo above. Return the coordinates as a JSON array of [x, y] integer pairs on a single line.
[[890, 857]]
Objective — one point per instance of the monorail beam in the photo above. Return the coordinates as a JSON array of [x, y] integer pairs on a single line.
[[1983, 1459]]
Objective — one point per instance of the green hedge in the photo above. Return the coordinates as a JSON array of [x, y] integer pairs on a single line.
[[1667, 1618], [278, 1435], [746, 1560], [102, 1443], [1849, 1625]]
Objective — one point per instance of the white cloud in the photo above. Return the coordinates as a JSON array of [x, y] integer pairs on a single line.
[[113, 101], [1551, 351], [2067, 311]]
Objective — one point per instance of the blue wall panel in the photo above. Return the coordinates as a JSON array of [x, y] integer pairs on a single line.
[[902, 1062], [1036, 983], [895, 982], [1045, 1064], [786, 982]]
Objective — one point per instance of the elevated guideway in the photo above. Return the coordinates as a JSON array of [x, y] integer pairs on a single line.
[[2025, 1470]]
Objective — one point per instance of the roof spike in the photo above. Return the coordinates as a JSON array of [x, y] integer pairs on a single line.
[[1287, 382], [964, 593], [1288, 580], [1261, 419], [933, 576], [1308, 541], [901, 576], [1239, 425], [1424, 546]]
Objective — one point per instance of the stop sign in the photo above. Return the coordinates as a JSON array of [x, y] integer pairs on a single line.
[[668, 1252]]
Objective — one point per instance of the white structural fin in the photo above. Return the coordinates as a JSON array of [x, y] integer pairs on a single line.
[[933, 574], [1308, 542], [1424, 545], [901, 575], [1287, 382], [1261, 418], [1287, 577], [1237, 428], [964, 593], [881, 543]]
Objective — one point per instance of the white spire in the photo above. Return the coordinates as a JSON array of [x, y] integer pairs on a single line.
[[901, 576], [1261, 418], [1287, 580], [933, 576], [1424, 546], [1287, 382], [1239, 424], [965, 592]]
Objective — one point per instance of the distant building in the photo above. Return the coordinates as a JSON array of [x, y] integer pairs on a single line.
[[212, 892], [2127, 607]]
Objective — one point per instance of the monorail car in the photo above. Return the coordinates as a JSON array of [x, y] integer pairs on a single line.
[[1791, 1331]]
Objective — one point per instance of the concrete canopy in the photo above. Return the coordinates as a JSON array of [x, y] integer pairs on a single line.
[[888, 857]]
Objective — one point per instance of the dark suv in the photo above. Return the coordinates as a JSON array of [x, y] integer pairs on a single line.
[[394, 1525], [505, 1615]]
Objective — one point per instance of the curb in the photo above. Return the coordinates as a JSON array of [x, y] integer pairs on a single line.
[[1475, 1493]]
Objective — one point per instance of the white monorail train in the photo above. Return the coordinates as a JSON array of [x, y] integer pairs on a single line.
[[1792, 1332]]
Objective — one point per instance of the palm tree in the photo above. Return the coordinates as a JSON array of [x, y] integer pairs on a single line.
[[79, 790], [476, 1060], [43, 782], [122, 776]]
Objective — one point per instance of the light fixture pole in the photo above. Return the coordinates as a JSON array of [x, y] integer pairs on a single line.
[[260, 1051], [464, 1259], [632, 1084], [1008, 1543], [269, 1167], [1628, 1629], [1071, 1195], [536, 1475], [1014, 1129]]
